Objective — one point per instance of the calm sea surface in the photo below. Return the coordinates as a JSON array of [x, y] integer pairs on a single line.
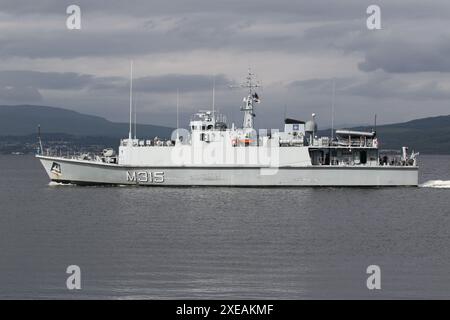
[[214, 243]]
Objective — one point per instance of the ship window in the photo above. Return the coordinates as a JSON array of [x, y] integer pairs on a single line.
[[202, 137], [203, 127], [363, 156]]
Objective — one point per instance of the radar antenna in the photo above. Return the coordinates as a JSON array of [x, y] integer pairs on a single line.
[[250, 82]]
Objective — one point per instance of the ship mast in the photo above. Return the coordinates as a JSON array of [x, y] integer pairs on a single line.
[[214, 100], [178, 116], [249, 101], [131, 96]]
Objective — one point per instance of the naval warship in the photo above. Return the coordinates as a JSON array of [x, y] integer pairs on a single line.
[[212, 153]]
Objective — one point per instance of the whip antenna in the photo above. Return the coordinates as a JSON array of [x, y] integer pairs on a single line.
[[332, 109], [41, 150], [131, 96]]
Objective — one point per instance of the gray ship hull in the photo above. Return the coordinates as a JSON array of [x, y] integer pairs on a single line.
[[90, 173]]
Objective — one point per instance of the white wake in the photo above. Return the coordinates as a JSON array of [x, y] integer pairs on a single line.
[[54, 183], [442, 184]]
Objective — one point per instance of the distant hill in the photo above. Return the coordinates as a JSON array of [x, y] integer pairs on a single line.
[[23, 120], [427, 135]]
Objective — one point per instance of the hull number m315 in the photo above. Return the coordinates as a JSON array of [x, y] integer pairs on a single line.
[[145, 176]]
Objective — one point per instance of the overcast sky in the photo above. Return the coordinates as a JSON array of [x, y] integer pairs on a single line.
[[296, 48]]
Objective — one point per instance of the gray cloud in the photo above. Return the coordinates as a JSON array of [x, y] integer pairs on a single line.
[[161, 84], [320, 85], [309, 10], [11, 94], [378, 85], [299, 46], [181, 26], [172, 82], [408, 56], [169, 26], [93, 93], [44, 80], [75, 81]]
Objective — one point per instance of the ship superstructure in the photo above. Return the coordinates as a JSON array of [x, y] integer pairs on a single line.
[[213, 153]]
